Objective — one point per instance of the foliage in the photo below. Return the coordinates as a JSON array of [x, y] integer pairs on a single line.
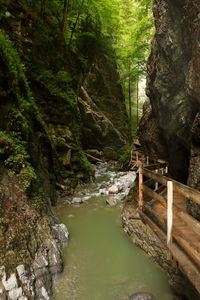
[[15, 157], [124, 155], [84, 162]]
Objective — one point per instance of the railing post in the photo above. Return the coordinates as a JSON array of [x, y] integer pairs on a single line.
[[147, 160], [169, 213], [141, 204], [156, 184], [166, 170]]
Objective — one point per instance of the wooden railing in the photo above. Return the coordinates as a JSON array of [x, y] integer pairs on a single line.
[[162, 205], [166, 200]]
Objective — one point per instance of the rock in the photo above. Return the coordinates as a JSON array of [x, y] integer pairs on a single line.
[[111, 201], [169, 128], [86, 198], [76, 201], [98, 130], [142, 296], [61, 233], [2, 292], [10, 283], [44, 293], [14, 294], [113, 189]]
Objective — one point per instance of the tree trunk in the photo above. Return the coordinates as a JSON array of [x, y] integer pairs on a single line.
[[130, 106], [65, 16], [76, 23], [137, 98]]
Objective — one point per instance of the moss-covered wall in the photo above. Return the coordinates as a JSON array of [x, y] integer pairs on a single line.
[[41, 124]]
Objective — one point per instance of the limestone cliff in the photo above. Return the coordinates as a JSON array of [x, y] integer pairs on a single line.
[[44, 125], [170, 125]]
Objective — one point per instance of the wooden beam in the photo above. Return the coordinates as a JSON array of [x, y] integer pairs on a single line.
[[156, 166], [185, 264], [187, 191], [141, 203], [154, 195], [169, 212], [190, 221], [156, 177], [184, 190], [191, 250]]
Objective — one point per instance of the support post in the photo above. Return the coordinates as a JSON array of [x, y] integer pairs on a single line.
[[141, 204], [169, 213], [147, 160], [156, 184]]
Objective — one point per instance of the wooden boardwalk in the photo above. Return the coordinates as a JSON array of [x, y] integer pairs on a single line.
[[185, 245]]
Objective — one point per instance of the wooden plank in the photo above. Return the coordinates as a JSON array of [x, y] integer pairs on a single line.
[[185, 264], [191, 249], [156, 166], [156, 177], [191, 222], [187, 191], [154, 195]]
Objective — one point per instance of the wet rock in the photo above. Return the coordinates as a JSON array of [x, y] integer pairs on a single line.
[[113, 189], [14, 294], [98, 130], [10, 283], [76, 201], [60, 232], [111, 201], [142, 296]]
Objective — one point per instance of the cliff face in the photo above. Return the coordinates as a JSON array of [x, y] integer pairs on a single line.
[[44, 130], [170, 125]]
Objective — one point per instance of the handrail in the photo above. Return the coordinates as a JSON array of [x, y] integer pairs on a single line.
[[184, 190]]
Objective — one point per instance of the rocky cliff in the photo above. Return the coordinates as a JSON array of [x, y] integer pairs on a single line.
[[49, 116], [170, 127]]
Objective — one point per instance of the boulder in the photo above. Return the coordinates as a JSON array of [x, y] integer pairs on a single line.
[[142, 296], [76, 201], [113, 189], [111, 201]]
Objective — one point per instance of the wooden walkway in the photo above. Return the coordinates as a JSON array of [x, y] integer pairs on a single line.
[[184, 247]]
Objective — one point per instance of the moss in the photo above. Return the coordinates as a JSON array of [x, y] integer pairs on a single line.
[[84, 162], [18, 81], [124, 154], [15, 157], [37, 200]]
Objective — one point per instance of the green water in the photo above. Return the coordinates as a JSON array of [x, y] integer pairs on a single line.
[[100, 261]]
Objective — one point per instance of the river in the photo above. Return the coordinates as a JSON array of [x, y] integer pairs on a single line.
[[101, 263]]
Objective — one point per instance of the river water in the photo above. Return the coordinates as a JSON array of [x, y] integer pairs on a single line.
[[101, 263]]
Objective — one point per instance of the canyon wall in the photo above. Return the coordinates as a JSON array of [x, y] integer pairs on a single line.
[[170, 127], [50, 114]]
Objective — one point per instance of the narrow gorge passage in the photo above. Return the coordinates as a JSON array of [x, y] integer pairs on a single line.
[[101, 263]]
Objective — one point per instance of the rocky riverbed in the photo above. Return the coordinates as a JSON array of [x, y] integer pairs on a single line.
[[35, 281], [107, 182]]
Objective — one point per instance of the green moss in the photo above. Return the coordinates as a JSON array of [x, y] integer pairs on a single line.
[[84, 162], [124, 154], [15, 157], [37, 200], [18, 81]]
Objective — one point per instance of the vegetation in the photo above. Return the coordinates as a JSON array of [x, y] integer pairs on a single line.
[[47, 48]]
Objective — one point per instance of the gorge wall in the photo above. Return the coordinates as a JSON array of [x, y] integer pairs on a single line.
[[170, 127], [52, 120]]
